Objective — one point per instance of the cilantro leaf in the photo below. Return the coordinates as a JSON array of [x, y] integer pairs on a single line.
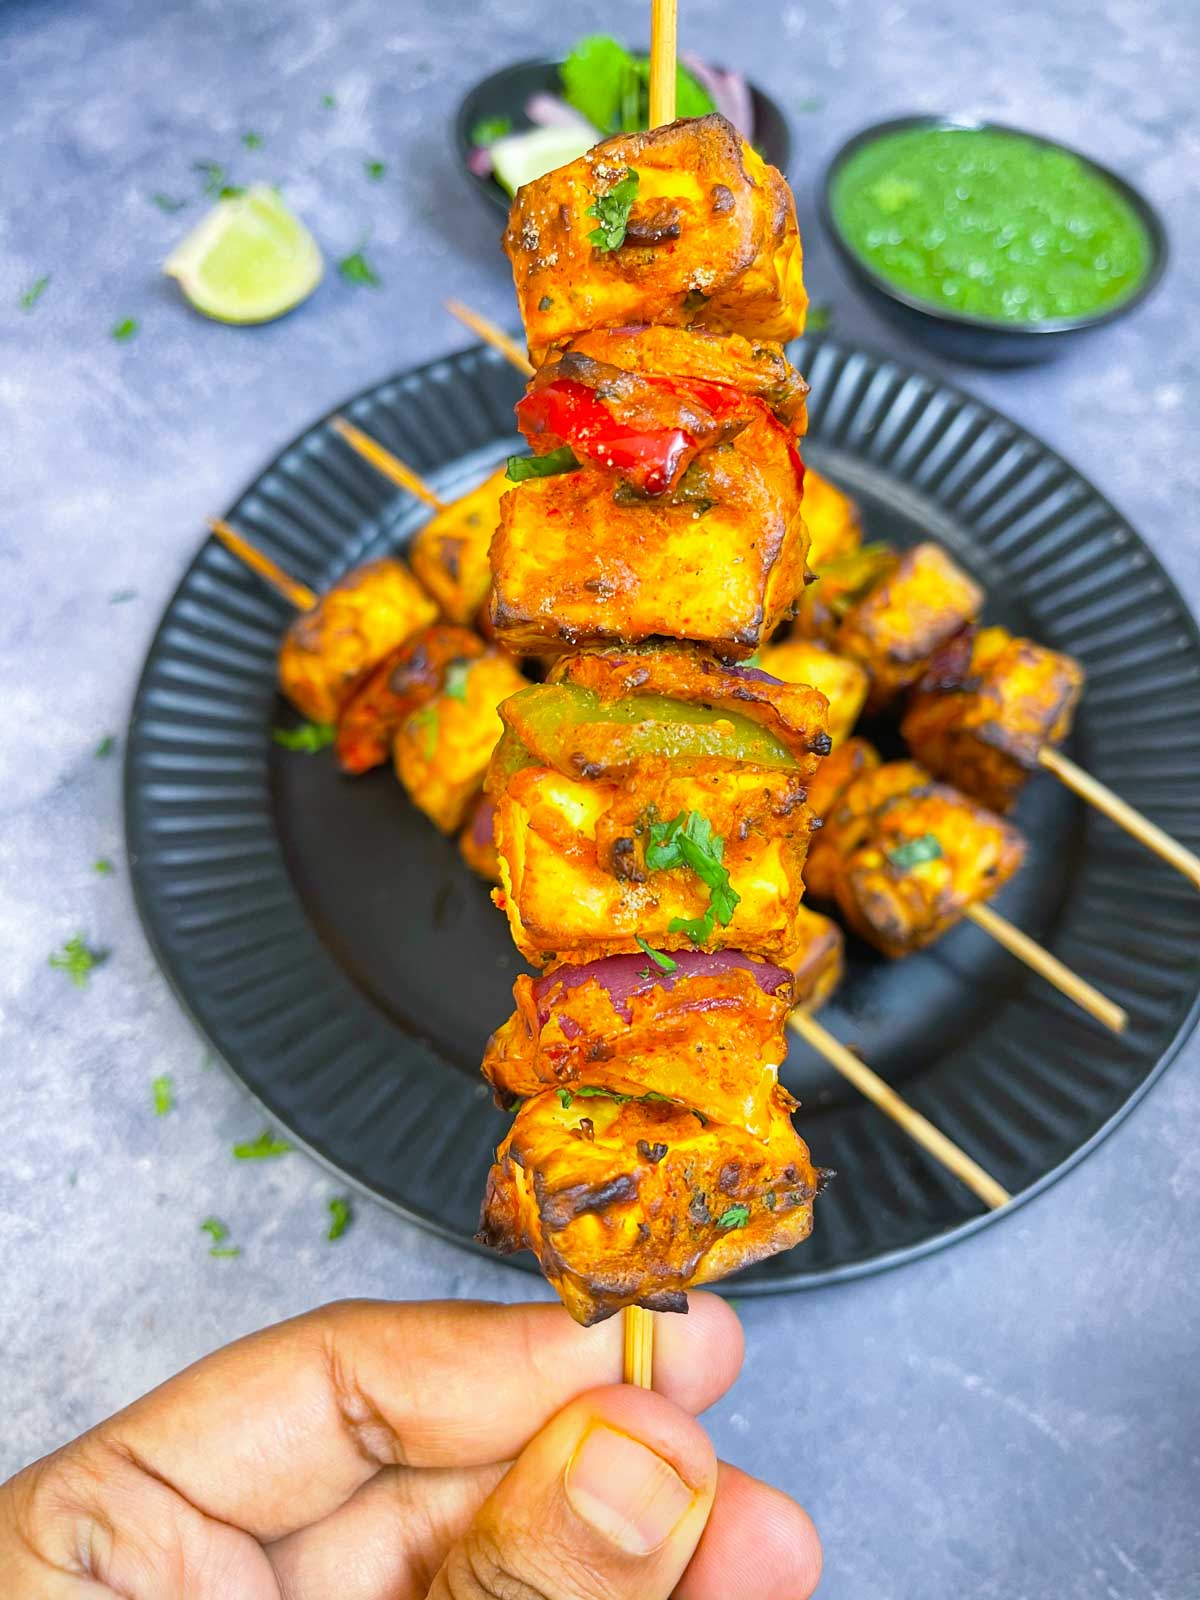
[[427, 721], [78, 960], [688, 840], [555, 461], [329, 101], [915, 852], [489, 129], [218, 1233], [103, 867], [213, 175], [252, 140], [611, 210], [375, 170], [106, 747], [168, 203], [163, 1090], [819, 318], [340, 1216], [355, 268], [124, 330], [692, 99], [735, 1217], [261, 1148], [657, 956], [309, 736], [456, 679], [564, 1099], [697, 929], [35, 291], [596, 78]]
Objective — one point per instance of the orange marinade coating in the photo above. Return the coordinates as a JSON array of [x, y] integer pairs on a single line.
[[984, 711], [450, 553], [843, 682], [366, 614], [403, 680], [832, 519], [711, 240], [634, 1203]]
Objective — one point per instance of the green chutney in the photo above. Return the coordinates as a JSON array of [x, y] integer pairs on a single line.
[[989, 224]]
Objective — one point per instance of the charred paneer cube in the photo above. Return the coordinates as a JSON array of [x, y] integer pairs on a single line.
[[366, 614], [654, 796], [986, 709], [904, 857], [442, 748], [817, 961], [843, 682], [702, 1029], [833, 777], [633, 1202], [717, 559], [450, 553], [832, 519], [897, 628], [679, 226], [402, 682], [477, 841]]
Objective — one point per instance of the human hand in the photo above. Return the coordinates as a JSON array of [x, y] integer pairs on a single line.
[[445, 1451]]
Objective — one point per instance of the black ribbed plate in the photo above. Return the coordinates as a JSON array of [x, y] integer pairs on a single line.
[[348, 967]]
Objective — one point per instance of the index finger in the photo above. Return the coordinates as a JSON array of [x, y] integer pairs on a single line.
[[279, 1429]]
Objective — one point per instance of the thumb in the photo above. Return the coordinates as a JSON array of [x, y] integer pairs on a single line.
[[608, 1502]]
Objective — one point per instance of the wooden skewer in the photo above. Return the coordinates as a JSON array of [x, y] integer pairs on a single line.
[[1120, 812], [296, 593], [881, 1094], [1049, 967], [384, 461], [639, 1324], [491, 334]]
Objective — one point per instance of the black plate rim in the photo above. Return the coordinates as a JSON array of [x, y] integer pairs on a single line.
[[739, 1286], [1139, 203]]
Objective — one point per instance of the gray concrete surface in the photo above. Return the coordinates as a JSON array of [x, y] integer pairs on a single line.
[[1016, 1418]]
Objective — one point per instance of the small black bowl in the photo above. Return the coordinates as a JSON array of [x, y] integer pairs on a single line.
[[957, 334], [507, 92]]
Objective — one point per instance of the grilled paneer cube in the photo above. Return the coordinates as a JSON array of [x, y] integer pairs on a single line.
[[833, 777], [905, 856], [986, 708], [578, 883], [705, 235], [442, 749], [366, 614], [832, 520], [703, 1029], [817, 962], [718, 559], [843, 682], [907, 618], [403, 681], [629, 1202], [450, 553]]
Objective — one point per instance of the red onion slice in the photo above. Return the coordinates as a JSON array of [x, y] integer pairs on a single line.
[[479, 162], [728, 91], [623, 977], [549, 111]]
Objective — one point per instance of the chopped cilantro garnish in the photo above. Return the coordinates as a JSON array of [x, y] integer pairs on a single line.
[[689, 841], [259, 1149], [340, 1216], [35, 291], [735, 1217], [78, 960], [103, 866], [106, 747], [213, 175], [375, 170], [456, 679], [819, 318], [564, 1099], [355, 268], [168, 203], [329, 101], [611, 210], [657, 956], [490, 129], [426, 721], [218, 1233], [309, 736], [252, 140], [611, 86], [521, 467], [915, 852], [124, 330], [163, 1090], [120, 596]]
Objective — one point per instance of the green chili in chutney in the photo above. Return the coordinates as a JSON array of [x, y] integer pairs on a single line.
[[990, 224]]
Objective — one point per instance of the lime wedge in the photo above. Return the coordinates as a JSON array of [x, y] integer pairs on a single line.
[[249, 260], [521, 157]]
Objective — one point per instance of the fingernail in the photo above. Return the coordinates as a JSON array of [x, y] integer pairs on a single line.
[[627, 1493]]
